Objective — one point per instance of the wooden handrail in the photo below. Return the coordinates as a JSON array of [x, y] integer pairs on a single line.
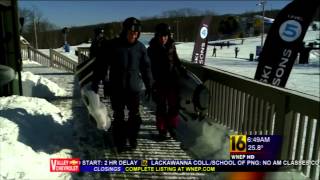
[[251, 107], [83, 54], [55, 59], [60, 61], [38, 56]]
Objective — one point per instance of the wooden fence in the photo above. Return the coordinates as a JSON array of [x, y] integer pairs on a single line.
[[55, 59]]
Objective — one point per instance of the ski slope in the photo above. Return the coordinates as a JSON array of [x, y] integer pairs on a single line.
[[304, 78]]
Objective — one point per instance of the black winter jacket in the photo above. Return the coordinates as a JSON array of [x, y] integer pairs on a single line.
[[128, 65], [165, 62], [95, 47]]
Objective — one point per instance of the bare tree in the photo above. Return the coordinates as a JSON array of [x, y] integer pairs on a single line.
[[26, 14], [184, 12], [34, 27]]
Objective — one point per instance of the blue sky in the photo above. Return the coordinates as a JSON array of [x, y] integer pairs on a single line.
[[81, 12]]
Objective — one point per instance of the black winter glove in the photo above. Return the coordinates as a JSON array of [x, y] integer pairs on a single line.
[[148, 93], [107, 88], [183, 71], [94, 87]]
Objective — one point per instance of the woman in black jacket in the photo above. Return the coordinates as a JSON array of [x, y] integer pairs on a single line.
[[165, 65]]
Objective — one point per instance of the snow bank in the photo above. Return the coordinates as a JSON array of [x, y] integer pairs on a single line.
[[29, 62], [203, 140], [38, 86], [32, 106], [31, 132]]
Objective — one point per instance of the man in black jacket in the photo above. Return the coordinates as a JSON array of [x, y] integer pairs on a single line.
[[126, 61]]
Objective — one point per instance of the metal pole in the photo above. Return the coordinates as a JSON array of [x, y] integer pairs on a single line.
[[65, 31], [262, 3], [35, 32], [177, 30]]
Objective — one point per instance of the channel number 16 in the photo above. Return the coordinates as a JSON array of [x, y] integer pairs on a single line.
[[238, 143]]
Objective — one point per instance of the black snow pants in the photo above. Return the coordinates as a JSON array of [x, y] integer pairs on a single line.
[[123, 130]]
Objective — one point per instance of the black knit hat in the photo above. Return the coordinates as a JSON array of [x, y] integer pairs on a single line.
[[132, 24], [162, 29]]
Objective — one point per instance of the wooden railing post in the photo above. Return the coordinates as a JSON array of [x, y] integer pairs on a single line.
[[279, 122], [51, 57], [83, 54], [283, 125], [29, 52], [79, 55]]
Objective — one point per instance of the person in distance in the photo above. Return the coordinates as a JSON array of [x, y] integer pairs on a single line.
[[97, 42]]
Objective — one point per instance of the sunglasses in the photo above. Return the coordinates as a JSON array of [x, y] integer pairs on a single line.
[[135, 28]]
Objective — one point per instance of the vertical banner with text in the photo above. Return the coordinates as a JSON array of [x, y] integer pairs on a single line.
[[200, 45], [283, 42]]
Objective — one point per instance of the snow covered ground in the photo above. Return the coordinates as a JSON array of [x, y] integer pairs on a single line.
[[33, 130]]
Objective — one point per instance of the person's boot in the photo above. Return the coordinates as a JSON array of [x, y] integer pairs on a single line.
[[173, 123], [133, 130], [119, 137], [120, 143], [120, 148], [161, 126], [173, 133], [133, 134], [133, 143], [162, 135]]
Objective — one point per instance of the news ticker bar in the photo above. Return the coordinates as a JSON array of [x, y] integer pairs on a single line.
[[77, 165], [247, 153]]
